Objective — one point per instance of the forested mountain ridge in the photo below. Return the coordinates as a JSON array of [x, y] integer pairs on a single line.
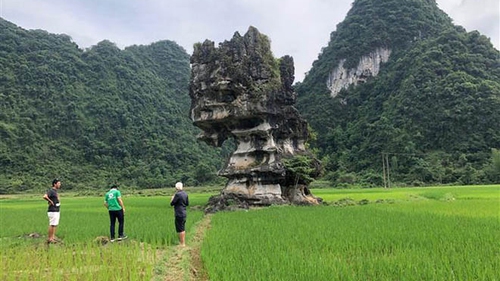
[[432, 112], [95, 116]]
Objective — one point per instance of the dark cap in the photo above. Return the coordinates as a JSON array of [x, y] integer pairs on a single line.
[[55, 181]]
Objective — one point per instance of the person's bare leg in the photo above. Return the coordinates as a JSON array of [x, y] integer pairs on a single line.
[[52, 232], [182, 238]]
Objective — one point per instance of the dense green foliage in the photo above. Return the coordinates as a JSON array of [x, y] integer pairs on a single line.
[[96, 116], [105, 115], [432, 111]]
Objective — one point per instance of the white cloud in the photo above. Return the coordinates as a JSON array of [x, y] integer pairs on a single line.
[[299, 28], [481, 15]]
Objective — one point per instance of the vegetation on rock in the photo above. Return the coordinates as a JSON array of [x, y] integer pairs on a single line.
[[432, 111]]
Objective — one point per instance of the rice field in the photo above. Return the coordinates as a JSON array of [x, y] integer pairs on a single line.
[[84, 223], [438, 233], [449, 233]]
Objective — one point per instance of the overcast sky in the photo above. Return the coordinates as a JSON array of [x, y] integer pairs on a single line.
[[299, 28]]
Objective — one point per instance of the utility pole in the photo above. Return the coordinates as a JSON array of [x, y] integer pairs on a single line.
[[388, 169], [383, 170]]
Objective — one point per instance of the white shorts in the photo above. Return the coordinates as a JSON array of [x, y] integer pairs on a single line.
[[54, 218]]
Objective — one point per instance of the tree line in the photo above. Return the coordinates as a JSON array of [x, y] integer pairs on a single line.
[[96, 116]]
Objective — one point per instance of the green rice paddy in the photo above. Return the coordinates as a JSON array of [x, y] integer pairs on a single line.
[[434, 233]]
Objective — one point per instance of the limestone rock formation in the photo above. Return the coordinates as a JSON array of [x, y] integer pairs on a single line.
[[239, 90], [368, 66]]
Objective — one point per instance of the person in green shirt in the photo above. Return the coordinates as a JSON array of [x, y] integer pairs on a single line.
[[114, 203]]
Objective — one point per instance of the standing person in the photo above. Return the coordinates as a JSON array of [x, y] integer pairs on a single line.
[[52, 198], [180, 200], [114, 203]]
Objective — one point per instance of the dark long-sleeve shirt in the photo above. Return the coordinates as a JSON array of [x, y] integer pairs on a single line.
[[180, 202]]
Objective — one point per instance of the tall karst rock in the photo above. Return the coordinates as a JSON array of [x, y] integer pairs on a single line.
[[240, 91], [398, 78]]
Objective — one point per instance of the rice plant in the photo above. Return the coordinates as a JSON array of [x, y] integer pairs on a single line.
[[84, 252], [411, 240]]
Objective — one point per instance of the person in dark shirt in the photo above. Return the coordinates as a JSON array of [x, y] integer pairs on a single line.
[[180, 200], [52, 199]]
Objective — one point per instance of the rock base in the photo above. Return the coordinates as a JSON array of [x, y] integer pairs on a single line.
[[233, 202]]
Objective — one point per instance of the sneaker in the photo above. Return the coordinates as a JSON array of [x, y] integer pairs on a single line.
[[112, 240], [122, 238]]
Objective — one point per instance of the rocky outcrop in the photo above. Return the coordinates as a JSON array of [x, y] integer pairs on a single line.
[[369, 66], [240, 91]]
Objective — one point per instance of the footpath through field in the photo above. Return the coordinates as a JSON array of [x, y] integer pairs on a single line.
[[184, 263]]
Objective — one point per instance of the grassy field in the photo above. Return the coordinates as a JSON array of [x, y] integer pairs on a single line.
[[148, 223], [434, 233]]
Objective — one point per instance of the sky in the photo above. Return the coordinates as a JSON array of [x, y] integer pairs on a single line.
[[299, 28]]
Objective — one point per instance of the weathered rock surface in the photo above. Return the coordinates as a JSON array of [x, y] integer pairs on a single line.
[[239, 90], [368, 66]]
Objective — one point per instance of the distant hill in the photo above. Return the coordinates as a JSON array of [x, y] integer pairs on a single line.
[[400, 88], [96, 116]]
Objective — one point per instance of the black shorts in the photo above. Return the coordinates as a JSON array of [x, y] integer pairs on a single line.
[[180, 223]]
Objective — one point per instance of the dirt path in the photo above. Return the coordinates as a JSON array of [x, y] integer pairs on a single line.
[[185, 263]]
